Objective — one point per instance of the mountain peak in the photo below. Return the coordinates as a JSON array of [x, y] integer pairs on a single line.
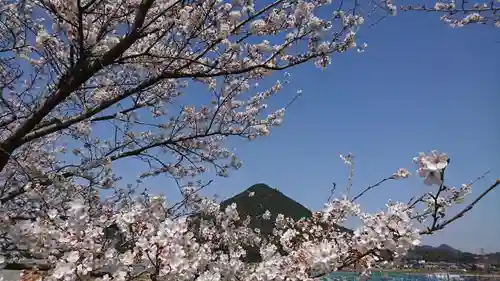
[[259, 187], [266, 198], [448, 248]]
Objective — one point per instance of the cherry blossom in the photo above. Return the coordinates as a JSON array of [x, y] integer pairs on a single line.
[[401, 173], [431, 166], [458, 14], [163, 85], [152, 240]]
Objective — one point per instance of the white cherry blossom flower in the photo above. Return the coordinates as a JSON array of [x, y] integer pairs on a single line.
[[266, 215], [401, 173]]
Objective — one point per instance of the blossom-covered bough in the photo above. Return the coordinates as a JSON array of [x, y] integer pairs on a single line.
[[151, 241], [462, 13], [161, 85]]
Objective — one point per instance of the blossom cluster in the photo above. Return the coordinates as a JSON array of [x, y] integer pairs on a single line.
[[128, 237], [463, 13], [160, 84]]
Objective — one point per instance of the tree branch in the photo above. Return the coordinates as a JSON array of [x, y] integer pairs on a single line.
[[463, 212]]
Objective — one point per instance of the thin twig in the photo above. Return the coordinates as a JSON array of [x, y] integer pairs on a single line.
[[371, 187], [332, 191]]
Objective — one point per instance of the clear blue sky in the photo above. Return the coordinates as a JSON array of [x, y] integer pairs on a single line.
[[419, 86]]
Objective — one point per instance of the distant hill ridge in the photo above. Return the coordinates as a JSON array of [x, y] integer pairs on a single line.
[[446, 253]]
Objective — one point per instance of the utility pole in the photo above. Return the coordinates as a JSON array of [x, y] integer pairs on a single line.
[[484, 259]]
